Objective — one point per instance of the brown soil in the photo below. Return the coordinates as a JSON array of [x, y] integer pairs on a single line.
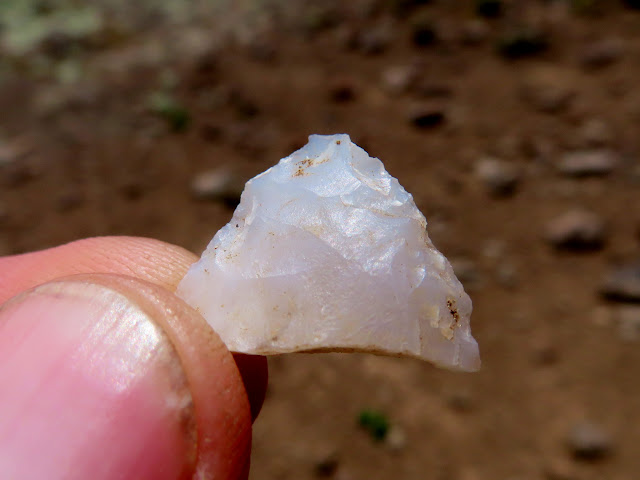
[[90, 158]]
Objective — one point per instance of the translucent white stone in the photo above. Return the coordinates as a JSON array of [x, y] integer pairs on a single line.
[[327, 252]]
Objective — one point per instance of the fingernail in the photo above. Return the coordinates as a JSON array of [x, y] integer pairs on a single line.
[[90, 387]]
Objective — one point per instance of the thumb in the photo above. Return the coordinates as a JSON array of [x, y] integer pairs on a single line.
[[105, 376]]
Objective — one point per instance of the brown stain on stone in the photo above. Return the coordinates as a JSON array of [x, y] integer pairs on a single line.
[[451, 305], [302, 166]]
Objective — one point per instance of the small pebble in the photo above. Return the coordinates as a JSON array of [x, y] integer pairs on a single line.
[[397, 80], [623, 283], [499, 177], [589, 441], [587, 163], [219, 184], [576, 230], [602, 53]]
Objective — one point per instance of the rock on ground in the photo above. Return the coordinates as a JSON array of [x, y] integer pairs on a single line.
[[576, 229], [219, 184], [602, 53], [499, 177], [587, 163], [589, 441], [398, 79], [623, 283]]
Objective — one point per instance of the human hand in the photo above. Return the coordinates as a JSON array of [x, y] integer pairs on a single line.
[[109, 375]]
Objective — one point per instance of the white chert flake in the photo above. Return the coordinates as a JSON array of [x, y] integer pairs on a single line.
[[327, 252]]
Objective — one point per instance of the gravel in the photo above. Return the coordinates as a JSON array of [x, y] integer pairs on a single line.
[[219, 184], [499, 177], [622, 283], [589, 441], [602, 53], [576, 230], [586, 163]]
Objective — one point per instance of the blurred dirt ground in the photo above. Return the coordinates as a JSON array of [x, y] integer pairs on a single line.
[[514, 124]]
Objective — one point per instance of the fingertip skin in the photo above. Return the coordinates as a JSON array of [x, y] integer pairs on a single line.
[[222, 408], [148, 259], [227, 390], [102, 365]]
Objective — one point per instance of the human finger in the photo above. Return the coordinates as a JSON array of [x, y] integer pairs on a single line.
[[144, 258], [99, 367]]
